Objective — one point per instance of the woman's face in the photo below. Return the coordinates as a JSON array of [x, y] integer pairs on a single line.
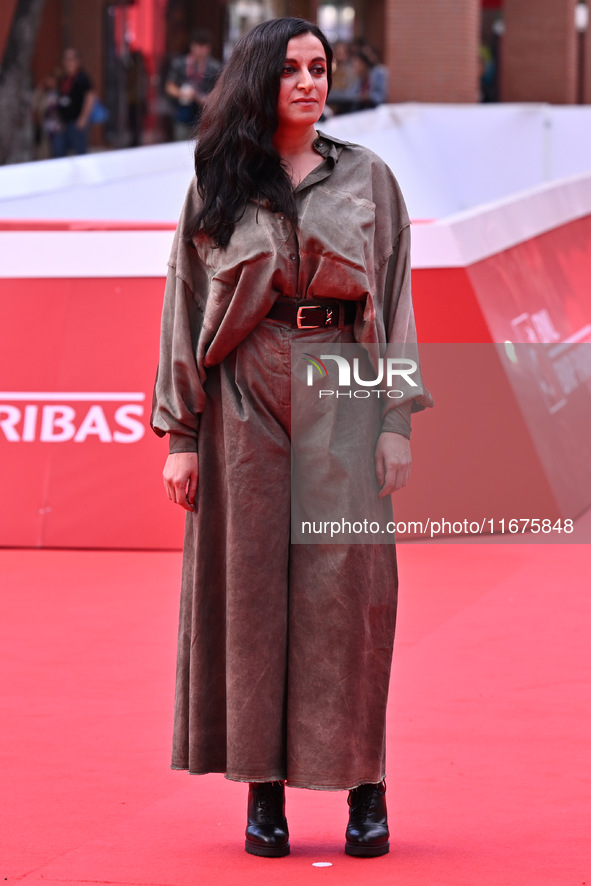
[[303, 86]]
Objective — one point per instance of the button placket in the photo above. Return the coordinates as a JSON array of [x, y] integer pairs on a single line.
[[292, 255]]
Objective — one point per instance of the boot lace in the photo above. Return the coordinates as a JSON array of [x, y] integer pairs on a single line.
[[362, 798], [264, 801]]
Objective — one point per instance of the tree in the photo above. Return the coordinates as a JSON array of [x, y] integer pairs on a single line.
[[14, 71]]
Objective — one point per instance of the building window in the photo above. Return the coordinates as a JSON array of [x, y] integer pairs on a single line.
[[244, 15], [337, 20]]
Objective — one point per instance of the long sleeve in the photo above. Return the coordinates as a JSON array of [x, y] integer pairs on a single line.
[[401, 335], [179, 397]]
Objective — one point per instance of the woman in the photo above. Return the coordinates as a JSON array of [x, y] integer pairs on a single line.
[[286, 237]]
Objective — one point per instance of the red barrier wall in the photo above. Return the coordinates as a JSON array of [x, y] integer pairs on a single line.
[[82, 472], [79, 466]]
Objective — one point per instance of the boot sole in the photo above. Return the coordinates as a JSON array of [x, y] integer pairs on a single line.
[[266, 851], [366, 851]]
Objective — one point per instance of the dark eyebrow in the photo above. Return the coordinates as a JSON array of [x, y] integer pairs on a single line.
[[320, 58]]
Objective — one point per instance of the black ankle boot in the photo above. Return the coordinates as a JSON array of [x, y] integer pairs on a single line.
[[266, 830], [367, 832]]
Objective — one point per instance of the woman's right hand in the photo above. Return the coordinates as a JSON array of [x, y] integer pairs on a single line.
[[181, 473]]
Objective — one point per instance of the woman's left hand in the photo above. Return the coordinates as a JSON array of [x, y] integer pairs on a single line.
[[393, 462]]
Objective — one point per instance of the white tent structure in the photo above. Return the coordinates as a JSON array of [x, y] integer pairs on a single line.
[[501, 252]]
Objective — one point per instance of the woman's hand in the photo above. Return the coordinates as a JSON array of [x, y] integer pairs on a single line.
[[181, 473], [393, 462]]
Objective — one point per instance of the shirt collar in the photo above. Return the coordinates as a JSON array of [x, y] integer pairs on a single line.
[[329, 146], [330, 149]]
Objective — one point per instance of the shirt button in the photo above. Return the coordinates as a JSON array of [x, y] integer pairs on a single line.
[[292, 256]]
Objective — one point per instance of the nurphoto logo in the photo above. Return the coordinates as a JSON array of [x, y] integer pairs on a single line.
[[389, 370]]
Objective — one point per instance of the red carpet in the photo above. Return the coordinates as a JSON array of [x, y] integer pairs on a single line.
[[489, 780]]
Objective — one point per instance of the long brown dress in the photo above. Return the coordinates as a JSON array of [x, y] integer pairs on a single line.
[[284, 649]]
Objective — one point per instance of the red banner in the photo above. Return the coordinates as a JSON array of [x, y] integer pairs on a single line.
[[79, 466]]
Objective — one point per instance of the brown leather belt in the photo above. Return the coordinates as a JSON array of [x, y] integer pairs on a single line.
[[310, 314]]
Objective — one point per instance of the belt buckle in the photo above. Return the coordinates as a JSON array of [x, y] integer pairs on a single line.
[[299, 323]]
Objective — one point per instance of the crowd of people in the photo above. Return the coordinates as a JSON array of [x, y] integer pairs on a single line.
[[360, 81], [65, 103], [62, 108]]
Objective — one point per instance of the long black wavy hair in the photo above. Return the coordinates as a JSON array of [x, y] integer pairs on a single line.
[[235, 160]]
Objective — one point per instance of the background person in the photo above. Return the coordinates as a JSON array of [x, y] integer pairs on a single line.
[[369, 86], [46, 119], [379, 75], [340, 98], [284, 649], [136, 93], [189, 81], [75, 100]]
